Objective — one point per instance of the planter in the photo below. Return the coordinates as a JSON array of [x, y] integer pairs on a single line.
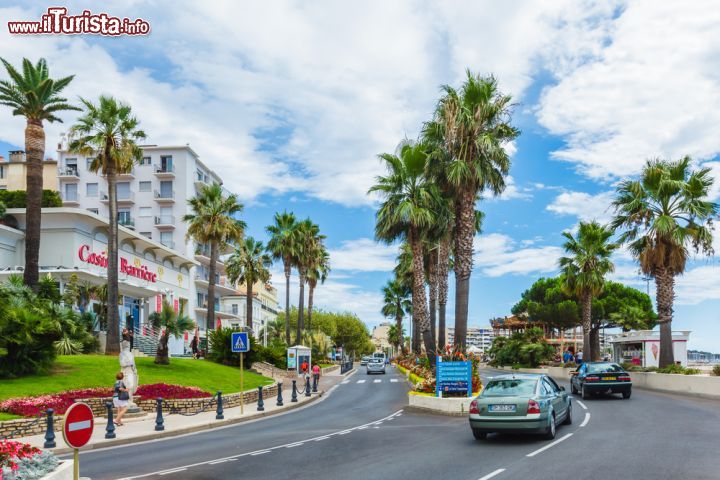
[[64, 471], [456, 406], [524, 370]]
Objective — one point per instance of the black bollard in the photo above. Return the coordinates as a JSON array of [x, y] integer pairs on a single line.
[[315, 384], [159, 422], [219, 412], [110, 429], [261, 404], [307, 386], [279, 402], [293, 397], [50, 431]]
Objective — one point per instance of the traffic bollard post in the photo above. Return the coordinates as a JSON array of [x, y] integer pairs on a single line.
[[307, 386], [219, 411], [279, 402], [50, 430], [315, 384], [110, 428], [293, 397], [261, 404], [159, 422]]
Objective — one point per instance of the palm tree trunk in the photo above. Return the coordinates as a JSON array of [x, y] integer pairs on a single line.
[[433, 290], [595, 343], [464, 233], [248, 305], [665, 286], [398, 325], [34, 153], [443, 271], [420, 312], [310, 306], [288, 271], [301, 307], [113, 320], [210, 320], [162, 356], [587, 325]]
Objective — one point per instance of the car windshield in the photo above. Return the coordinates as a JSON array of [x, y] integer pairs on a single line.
[[604, 368], [375, 360], [510, 388]]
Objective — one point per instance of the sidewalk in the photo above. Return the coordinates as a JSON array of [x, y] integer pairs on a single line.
[[143, 428]]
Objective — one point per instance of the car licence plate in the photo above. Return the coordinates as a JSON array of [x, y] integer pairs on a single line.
[[502, 408], [609, 378]]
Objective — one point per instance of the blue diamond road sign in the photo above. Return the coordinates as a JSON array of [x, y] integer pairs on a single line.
[[240, 342]]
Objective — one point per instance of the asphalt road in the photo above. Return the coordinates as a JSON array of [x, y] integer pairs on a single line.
[[360, 431]]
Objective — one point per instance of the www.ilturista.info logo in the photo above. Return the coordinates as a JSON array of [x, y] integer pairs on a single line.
[[57, 22]]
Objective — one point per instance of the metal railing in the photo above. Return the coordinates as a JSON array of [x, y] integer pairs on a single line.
[[164, 195], [165, 220], [68, 172], [164, 168]]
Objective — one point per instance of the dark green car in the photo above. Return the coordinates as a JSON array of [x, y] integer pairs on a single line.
[[520, 403], [594, 378]]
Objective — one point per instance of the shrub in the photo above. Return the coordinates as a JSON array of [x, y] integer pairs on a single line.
[[20, 461], [570, 365], [221, 352], [716, 370], [678, 369], [527, 348], [18, 198], [2, 210]]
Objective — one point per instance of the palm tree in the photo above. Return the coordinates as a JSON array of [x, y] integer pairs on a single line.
[[396, 304], [249, 265], [34, 95], [584, 272], [307, 240], [407, 212], [662, 214], [317, 272], [474, 126], [275, 329], [212, 222], [173, 323], [282, 247], [109, 131]]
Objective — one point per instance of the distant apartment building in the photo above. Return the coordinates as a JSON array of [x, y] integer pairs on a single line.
[[13, 172], [479, 337], [380, 339], [264, 309]]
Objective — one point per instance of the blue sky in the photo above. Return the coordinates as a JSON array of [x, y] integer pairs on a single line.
[[291, 102]]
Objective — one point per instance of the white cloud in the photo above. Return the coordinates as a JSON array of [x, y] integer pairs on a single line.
[[363, 255], [649, 88], [497, 255], [583, 205], [715, 173]]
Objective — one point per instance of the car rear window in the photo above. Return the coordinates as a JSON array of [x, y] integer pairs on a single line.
[[511, 387], [604, 368]]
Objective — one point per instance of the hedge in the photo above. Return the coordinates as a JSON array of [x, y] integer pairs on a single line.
[[17, 198]]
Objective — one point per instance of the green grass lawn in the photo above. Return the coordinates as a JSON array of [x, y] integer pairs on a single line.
[[8, 416], [326, 365], [87, 371]]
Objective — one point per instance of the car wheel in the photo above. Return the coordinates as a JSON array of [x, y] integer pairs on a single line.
[[573, 390], [551, 428], [478, 434], [627, 394], [585, 393], [568, 415]]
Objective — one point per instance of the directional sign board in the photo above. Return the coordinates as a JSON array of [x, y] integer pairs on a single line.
[[453, 377], [78, 425], [240, 342]]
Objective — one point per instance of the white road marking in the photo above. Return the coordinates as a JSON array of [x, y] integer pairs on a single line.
[[581, 404], [362, 428], [262, 452], [491, 475], [216, 462], [344, 382], [394, 380], [234, 457], [587, 419], [361, 381], [377, 380], [81, 425], [540, 450], [344, 433]]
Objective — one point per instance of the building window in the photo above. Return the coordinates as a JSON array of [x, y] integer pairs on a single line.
[[93, 210], [123, 190], [166, 163], [2, 171], [145, 186], [146, 211], [88, 163], [166, 238], [146, 161], [146, 234], [124, 217], [91, 189], [235, 308]]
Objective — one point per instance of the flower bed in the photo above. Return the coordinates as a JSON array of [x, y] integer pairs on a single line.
[[423, 377], [33, 406], [22, 461]]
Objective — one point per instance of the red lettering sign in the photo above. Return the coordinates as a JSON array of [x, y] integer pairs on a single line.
[[158, 303], [101, 260]]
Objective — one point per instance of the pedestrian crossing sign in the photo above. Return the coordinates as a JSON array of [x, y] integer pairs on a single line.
[[240, 342]]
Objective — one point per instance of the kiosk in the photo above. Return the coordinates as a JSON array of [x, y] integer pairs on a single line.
[[296, 355]]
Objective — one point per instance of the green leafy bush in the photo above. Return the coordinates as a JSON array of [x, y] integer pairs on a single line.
[[522, 349], [678, 369], [716, 370], [221, 352], [18, 198], [2, 210]]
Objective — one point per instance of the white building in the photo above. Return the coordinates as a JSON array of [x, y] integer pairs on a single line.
[[265, 308], [642, 347], [479, 337], [152, 200]]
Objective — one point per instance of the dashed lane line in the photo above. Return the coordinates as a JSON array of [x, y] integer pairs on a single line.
[[492, 474], [587, 419], [393, 380], [361, 381], [581, 404], [549, 445], [174, 470], [377, 380], [262, 452]]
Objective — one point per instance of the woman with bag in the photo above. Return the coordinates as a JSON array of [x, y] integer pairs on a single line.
[[120, 398]]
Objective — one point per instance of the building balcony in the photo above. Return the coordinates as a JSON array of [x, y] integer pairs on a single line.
[[127, 222], [165, 197], [70, 200], [165, 222], [223, 286], [201, 181], [127, 198], [166, 171], [69, 173], [122, 175]]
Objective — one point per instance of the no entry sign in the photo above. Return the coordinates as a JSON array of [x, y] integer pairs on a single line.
[[78, 425]]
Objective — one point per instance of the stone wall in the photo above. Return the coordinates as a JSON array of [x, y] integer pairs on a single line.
[[23, 427]]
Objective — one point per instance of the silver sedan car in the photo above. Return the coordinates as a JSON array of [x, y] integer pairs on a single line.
[[375, 365]]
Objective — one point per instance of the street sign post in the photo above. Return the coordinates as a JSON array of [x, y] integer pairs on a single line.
[[453, 377], [77, 429], [240, 343]]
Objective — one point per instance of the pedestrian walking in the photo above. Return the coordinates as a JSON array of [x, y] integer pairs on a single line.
[[304, 367], [316, 374], [579, 357], [567, 356], [121, 398], [194, 347]]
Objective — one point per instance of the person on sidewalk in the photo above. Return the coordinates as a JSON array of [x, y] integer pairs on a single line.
[[316, 374], [579, 358], [304, 367], [120, 398], [194, 347]]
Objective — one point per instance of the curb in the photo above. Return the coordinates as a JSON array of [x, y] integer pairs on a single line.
[[430, 411], [184, 430]]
